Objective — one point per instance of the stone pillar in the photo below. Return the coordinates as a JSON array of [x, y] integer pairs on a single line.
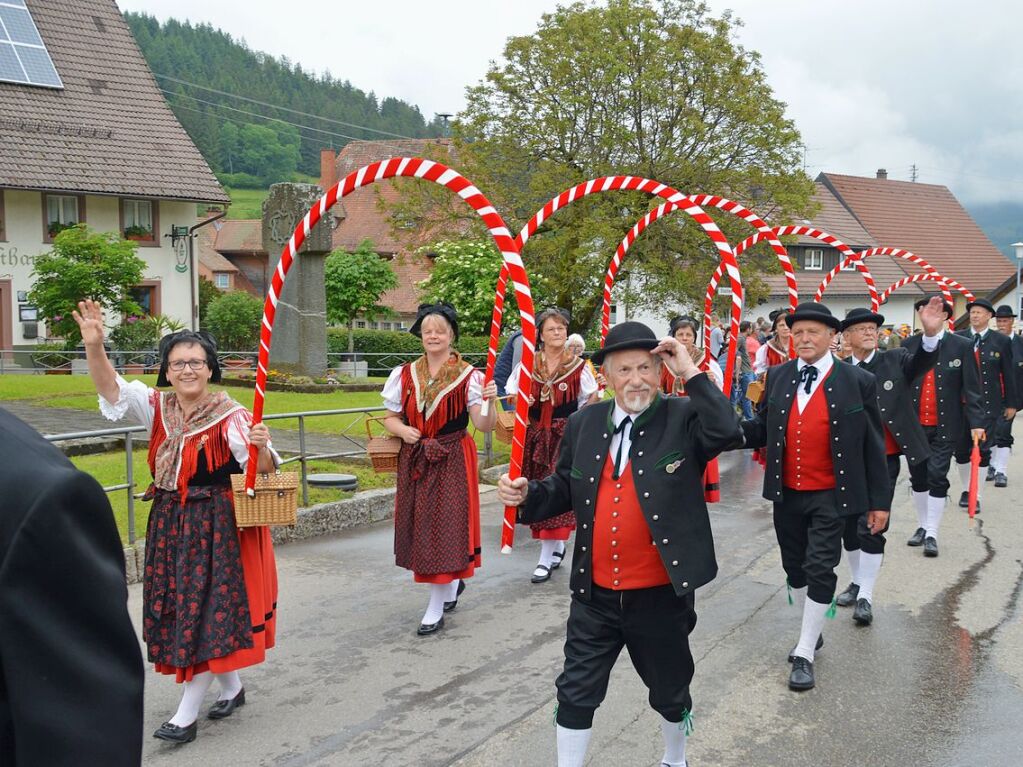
[[299, 344]]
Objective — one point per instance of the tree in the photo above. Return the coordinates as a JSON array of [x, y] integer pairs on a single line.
[[234, 319], [208, 292], [652, 88], [354, 282], [85, 264]]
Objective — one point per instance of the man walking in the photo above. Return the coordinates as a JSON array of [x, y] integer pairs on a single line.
[[997, 471]]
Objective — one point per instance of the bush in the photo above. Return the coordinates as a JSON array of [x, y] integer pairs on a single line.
[[234, 319], [240, 181], [51, 355], [395, 342], [135, 334]]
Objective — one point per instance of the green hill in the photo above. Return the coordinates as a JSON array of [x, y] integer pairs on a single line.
[[248, 143]]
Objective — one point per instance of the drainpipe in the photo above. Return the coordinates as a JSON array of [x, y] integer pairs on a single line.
[[194, 282]]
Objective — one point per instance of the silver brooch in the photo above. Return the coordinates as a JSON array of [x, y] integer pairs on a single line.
[[955, 363], [889, 385], [563, 386], [671, 467]]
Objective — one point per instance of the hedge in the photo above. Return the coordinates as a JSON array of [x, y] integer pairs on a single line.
[[395, 341]]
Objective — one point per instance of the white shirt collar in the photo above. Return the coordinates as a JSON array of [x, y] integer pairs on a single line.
[[868, 358], [619, 414], [982, 333], [823, 365]]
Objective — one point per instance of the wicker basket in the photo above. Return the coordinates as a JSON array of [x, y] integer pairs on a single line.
[[275, 501], [383, 451], [755, 391], [504, 429]]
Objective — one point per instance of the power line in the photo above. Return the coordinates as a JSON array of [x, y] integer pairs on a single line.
[[283, 109]]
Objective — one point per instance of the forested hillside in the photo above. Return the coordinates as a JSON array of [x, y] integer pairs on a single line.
[[203, 71]]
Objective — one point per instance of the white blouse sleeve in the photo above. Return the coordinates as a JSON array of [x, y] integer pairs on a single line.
[[238, 426], [392, 391], [715, 369], [134, 398], [475, 388], [760, 362], [512, 386], [587, 385]]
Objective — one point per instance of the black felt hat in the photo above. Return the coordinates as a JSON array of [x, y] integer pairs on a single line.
[[922, 302], [983, 303], [443, 308], [1005, 311], [200, 337], [858, 315], [626, 335], [684, 321], [812, 311]]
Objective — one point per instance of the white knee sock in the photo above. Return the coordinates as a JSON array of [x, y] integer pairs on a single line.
[[813, 622], [935, 508], [453, 590], [798, 596], [853, 558], [870, 566], [572, 745], [191, 699], [999, 459], [964, 476], [435, 610], [674, 743], [230, 684], [547, 549], [920, 502]]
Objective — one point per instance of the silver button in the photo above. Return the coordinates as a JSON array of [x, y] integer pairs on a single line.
[[615, 529], [591, 479], [674, 563], [582, 591], [646, 495], [614, 557], [618, 569], [605, 436], [617, 582], [587, 501], [640, 453], [582, 569], [582, 548], [665, 540], [655, 517], [618, 486], [642, 433], [584, 525], [614, 514], [685, 584], [598, 457], [614, 543], [640, 472]]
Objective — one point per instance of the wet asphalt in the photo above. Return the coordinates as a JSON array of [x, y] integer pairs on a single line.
[[937, 681]]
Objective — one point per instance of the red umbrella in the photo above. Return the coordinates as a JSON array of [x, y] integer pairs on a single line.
[[974, 476]]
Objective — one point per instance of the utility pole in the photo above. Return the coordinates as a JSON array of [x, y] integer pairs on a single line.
[[912, 173]]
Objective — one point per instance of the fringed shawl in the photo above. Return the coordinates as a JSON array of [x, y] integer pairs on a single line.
[[430, 403], [551, 391]]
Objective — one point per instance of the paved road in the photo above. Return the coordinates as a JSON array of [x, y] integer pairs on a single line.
[[936, 682]]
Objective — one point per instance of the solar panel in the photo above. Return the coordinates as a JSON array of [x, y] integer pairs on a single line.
[[23, 55]]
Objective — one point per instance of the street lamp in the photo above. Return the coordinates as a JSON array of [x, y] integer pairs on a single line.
[[1017, 248]]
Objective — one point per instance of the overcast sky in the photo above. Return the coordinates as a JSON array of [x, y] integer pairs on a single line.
[[870, 83]]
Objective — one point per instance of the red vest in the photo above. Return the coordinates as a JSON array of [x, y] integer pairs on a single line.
[[891, 447], [624, 554], [806, 464], [928, 401]]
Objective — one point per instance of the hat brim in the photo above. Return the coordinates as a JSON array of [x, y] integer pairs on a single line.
[[809, 316], [982, 304], [877, 319], [646, 344]]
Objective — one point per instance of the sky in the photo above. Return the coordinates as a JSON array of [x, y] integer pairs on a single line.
[[869, 83]]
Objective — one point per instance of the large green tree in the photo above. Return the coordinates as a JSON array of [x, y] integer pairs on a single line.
[[354, 283], [653, 88]]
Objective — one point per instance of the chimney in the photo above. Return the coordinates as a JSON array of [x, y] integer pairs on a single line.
[[328, 168], [882, 174]]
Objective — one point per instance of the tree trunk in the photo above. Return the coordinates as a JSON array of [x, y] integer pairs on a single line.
[[351, 337]]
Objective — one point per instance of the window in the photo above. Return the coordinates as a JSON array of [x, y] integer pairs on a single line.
[[360, 323], [139, 221], [61, 211], [813, 259], [147, 296], [223, 281]]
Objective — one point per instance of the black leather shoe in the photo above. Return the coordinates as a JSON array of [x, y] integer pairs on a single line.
[[918, 538], [930, 547], [820, 644], [990, 474], [222, 709], [174, 734], [964, 500], [449, 606], [543, 577], [801, 677], [863, 614], [425, 629], [1001, 480], [558, 556], [848, 597]]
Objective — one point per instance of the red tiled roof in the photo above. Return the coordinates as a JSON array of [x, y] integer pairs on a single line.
[[834, 219], [928, 220], [240, 236]]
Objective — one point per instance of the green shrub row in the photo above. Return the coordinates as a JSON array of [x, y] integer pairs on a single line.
[[395, 341]]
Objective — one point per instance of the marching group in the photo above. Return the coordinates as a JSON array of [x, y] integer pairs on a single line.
[[631, 476]]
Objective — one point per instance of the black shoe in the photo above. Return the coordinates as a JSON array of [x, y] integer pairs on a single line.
[[964, 499], [558, 556], [918, 538], [222, 709], [990, 474], [1001, 480], [820, 644], [425, 629], [543, 577], [848, 597], [174, 734], [863, 614], [801, 677], [930, 547], [449, 606]]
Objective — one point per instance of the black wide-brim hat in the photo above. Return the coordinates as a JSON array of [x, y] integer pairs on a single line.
[[983, 303], [626, 335], [443, 308], [198, 337], [810, 311], [922, 302], [1005, 311], [858, 315]]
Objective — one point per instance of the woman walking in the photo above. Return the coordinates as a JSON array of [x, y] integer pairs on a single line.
[[437, 507], [209, 589]]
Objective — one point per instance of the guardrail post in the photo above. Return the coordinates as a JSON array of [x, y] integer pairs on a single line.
[[301, 460], [130, 479]]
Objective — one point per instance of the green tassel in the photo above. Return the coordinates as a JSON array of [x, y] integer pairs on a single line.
[[686, 724], [554, 721], [789, 587], [832, 611]]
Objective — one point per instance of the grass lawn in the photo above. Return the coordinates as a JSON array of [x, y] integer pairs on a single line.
[[246, 203]]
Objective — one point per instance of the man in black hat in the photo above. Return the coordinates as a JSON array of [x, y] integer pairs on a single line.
[[632, 470], [895, 371], [1005, 318], [822, 428], [947, 402], [992, 352]]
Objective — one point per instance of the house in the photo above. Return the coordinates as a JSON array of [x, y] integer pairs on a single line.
[[232, 257], [87, 137]]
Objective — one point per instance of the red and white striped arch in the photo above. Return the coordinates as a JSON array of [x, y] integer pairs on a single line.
[[947, 284], [864, 254]]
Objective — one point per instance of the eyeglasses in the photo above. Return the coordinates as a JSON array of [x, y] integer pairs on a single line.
[[178, 365]]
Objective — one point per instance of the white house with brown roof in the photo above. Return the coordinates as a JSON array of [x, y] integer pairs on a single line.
[[88, 138]]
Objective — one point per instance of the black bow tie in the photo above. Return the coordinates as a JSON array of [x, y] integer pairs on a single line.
[[620, 429], [807, 376]]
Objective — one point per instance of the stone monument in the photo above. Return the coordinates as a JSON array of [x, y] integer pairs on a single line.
[[299, 344]]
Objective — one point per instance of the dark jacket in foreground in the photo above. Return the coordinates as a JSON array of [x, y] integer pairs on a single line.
[[857, 437], [690, 430], [70, 665], [956, 387]]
